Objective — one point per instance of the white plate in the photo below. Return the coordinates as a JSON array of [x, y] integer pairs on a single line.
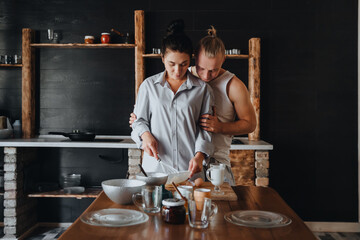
[[114, 217], [258, 219]]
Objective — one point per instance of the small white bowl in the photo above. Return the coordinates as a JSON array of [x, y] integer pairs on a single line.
[[153, 178], [120, 191]]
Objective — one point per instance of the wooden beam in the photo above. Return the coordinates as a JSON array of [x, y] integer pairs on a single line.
[[28, 84], [139, 49], [254, 83]]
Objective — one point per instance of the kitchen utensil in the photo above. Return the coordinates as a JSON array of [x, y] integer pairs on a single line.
[[114, 217], [50, 34], [166, 167], [117, 32], [153, 178], [6, 133], [149, 200], [77, 135], [178, 177], [200, 195], [215, 174], [200, 217], [142, 170], [177, 190], [257, 219], [120, 191], [186, 191], [70, 180]]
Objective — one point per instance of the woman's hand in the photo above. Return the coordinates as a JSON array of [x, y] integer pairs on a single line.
[[149, 144], [195, 164], [132, 118]]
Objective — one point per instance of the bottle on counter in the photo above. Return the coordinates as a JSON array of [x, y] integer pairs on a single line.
[[17, 129]]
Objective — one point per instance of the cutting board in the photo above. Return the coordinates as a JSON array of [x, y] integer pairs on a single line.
[[229, 194]]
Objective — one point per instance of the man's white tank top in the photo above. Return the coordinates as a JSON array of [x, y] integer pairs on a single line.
[[226, 113]]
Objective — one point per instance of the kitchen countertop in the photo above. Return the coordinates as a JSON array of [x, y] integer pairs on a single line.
[[102, 141]]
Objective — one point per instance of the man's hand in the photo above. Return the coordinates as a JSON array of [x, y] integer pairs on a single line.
[[149, 144], [195, 164], [132, 119], [210, 123]]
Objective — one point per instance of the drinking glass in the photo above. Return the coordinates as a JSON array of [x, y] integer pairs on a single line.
[[50, 34], [200, 217], [149, 200], [215, 174]]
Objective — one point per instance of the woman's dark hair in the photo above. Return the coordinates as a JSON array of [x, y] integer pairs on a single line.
[[176, 39]]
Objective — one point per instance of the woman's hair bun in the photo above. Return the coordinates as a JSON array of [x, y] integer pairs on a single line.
[[176, 27]]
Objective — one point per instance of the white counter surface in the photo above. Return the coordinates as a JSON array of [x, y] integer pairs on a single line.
[[109, 142]]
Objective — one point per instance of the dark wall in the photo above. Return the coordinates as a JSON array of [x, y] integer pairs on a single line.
[[308, 88]]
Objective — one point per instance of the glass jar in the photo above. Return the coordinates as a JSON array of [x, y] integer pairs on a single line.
[[173, 211], [105, 37], [89, 39]]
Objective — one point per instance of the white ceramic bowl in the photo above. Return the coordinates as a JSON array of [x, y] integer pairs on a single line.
[[5, 133], [120, 191], [178, 177], [153, 178]]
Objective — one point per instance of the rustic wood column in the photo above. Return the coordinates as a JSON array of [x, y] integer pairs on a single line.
[[28, 84], [254, 83], [139, 49]]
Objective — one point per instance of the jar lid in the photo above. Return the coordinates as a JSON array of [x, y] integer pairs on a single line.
[[105, 33], [173, 202], [89, 37]]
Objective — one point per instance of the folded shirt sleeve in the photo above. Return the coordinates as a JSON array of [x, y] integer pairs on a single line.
[[203, 139], [142, 112]]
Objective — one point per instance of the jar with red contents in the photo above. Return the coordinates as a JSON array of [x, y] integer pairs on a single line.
[[105, 37]]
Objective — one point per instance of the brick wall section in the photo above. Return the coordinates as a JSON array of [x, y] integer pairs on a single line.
[[262, 168], [250, 167], [135, 156], [243, 166], [19, 210]]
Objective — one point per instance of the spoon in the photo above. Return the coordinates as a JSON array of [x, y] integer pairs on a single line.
[[142, 170], [182, 197]]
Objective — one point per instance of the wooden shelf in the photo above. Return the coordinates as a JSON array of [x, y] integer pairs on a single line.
[[89, 193], [10, 65], [81, 45], [237, 56], [240, 56]]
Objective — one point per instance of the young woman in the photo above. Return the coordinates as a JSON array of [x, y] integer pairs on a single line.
[[168, 107]]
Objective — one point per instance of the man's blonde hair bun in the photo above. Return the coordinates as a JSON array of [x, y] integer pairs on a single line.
[[211, 44]]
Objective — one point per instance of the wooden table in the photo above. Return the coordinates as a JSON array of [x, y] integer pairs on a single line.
[[249, 198]]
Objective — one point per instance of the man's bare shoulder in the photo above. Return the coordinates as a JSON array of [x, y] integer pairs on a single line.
[[235, 85]]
